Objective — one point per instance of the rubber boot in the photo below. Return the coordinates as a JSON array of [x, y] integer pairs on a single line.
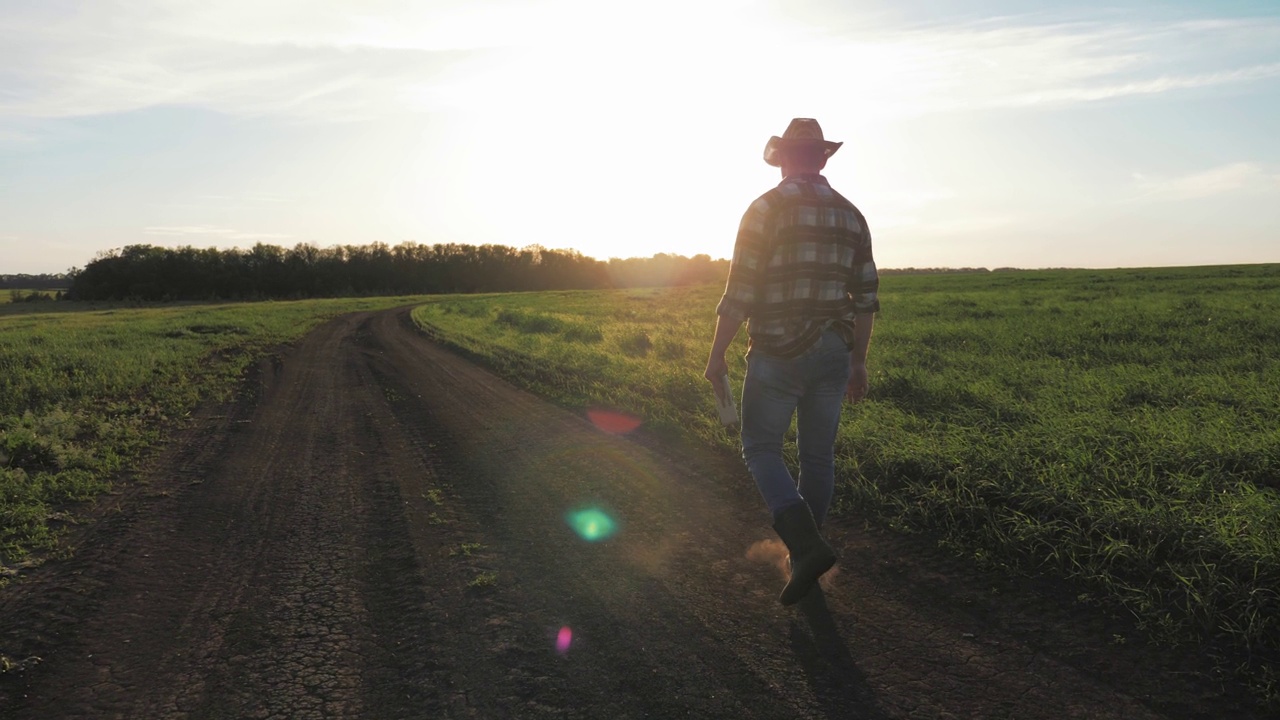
[[810, 554], [815, 591]]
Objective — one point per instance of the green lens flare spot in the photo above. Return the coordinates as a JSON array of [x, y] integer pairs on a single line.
[[591, 524]]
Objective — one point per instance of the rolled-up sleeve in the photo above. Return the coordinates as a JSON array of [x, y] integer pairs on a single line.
[[740, 292]]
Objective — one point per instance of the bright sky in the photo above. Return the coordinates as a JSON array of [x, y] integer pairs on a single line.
[[1030, 133]]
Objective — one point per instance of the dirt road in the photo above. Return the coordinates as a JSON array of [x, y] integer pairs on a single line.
[[379, 530]]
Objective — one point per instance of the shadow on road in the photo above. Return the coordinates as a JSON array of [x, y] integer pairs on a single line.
[[837, 682]]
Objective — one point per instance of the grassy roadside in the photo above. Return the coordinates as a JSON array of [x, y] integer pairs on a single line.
[[1114, 427], [85, 389]]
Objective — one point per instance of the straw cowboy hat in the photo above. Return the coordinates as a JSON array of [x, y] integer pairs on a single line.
[[801, 131]]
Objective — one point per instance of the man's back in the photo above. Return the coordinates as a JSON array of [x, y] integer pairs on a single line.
[[802, 263]]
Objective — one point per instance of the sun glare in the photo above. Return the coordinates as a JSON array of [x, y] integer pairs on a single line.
[[624, 144]]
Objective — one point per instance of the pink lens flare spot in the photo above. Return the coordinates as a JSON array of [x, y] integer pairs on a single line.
[[614, 423], [563, 640]]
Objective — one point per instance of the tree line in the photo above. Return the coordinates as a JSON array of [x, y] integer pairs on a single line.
[[24, 281], [152, 273]]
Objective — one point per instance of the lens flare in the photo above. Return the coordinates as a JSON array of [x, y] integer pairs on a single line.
[[591, 524], [563, 640], [614, 423]]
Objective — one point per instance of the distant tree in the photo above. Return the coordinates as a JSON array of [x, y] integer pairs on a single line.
[[20, 296], [663, 269], [23, 281]]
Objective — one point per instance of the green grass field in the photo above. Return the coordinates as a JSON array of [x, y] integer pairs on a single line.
[[1120, 428], [84, 391]]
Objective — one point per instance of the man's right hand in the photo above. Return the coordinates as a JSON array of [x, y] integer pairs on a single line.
[[716, 368], [858, 383]]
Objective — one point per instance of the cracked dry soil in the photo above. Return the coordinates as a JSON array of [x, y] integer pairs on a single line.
[[376, 529]]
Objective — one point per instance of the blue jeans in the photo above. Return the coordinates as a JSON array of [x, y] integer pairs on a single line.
[[812, 386]]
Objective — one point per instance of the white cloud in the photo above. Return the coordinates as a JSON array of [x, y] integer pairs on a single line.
[[116, 57], [336, 60], [1164, 83], [1239, 177], [10, 138], [259, 236], [210, 231], [187, 230], [1005, 63], [221, 202]]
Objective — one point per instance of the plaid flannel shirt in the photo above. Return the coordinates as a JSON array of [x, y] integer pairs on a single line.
[[802, 263]]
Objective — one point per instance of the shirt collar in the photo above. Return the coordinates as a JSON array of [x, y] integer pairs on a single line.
[[806, 177]]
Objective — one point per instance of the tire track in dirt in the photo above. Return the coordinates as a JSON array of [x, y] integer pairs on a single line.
[[382, 535], [262, 591]]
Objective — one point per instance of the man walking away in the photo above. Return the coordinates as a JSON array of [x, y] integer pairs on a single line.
[[803, 279]]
